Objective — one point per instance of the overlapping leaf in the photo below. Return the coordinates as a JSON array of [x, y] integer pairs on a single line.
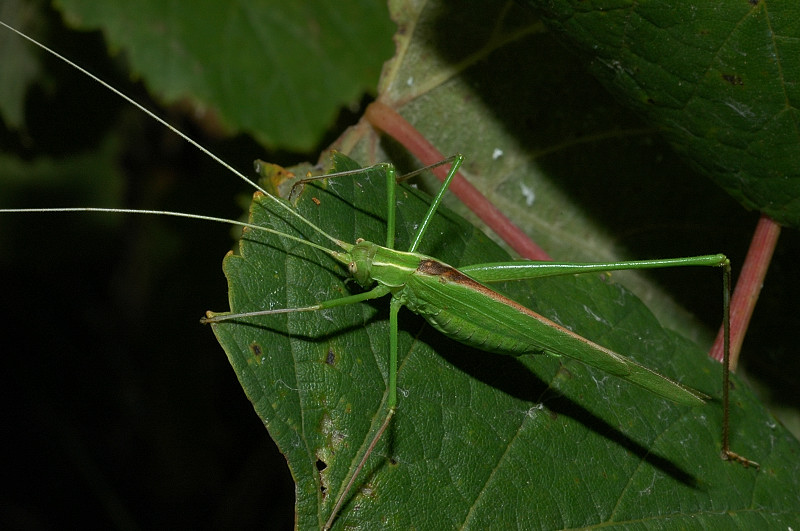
[[481, 440], [719, 79], [295, 63]]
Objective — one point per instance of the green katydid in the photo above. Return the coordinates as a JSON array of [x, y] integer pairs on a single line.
[[490, 306], [457, 303]]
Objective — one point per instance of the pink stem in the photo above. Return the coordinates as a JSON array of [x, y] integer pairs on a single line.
[[748, 287], [750, 281], [388, 120]]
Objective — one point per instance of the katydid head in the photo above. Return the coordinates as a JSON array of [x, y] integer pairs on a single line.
[[362, 256], [372, 263], [369, 263]]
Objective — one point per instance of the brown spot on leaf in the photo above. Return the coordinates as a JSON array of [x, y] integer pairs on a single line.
[[733, 79], [256, 349]]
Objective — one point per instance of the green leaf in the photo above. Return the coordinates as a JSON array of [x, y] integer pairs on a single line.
[[482, 440], [719, 79], [295, 63]]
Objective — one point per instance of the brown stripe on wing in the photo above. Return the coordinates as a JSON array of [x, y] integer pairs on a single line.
[[447, 273]]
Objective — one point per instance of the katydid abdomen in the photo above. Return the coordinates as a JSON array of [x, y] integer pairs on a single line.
[[475, 315]]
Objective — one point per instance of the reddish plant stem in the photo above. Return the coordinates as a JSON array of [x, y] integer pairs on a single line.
[[750, 281], [748, 288], [386, 119]]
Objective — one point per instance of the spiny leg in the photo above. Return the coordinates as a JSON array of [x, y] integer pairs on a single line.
[[727, 453], [394, 308]]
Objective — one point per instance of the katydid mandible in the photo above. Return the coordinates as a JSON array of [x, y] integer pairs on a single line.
[[455, 302]]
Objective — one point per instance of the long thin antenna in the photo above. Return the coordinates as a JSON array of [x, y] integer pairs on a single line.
[[181, 215], [175, 130]]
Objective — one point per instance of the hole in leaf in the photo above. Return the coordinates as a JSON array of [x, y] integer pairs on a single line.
[[322, 465]]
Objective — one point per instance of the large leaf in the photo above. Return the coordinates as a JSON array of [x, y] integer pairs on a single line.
[[296, 63], [720, 79], [480, 440]]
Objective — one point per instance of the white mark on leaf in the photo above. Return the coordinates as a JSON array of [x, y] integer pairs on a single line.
[[527, 193], [740, 108]]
